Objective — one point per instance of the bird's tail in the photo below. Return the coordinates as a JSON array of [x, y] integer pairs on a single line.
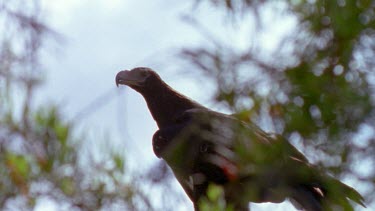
[[329, 194]]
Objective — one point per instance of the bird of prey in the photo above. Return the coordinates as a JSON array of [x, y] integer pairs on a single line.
[[203, 146]]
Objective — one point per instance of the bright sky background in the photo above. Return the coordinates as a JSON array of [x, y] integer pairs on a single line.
[[102, 37]]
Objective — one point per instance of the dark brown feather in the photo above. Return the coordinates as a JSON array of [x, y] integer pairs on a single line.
[[202, 145]]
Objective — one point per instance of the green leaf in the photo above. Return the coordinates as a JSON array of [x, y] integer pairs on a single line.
[[119, 162], [18, 165], [67, 185], [214, 192]]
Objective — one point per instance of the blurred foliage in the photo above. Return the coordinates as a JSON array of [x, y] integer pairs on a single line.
[[315, 87], [215, 200], [41, 156]]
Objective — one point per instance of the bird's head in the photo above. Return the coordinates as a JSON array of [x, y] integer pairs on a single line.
[[135, 78], [165, 103]]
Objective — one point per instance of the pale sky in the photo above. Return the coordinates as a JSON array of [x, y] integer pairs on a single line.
[[105, 36]]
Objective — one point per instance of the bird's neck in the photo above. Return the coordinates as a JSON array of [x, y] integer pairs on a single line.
[[166, 104]]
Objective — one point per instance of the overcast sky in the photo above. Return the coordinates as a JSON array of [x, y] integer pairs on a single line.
[[102, 37]]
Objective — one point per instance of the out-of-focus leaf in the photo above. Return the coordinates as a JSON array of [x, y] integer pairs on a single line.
[[18, 164], [215, 200], [214, 192], [62, 133], [67, 185], [19, 168], [119, 162]]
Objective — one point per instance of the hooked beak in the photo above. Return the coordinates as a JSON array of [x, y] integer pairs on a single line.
[[125, 78]]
